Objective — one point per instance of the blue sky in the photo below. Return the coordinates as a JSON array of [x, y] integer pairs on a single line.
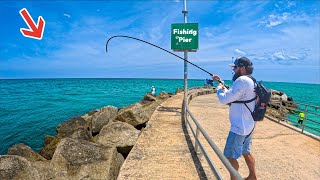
[[280, 37]]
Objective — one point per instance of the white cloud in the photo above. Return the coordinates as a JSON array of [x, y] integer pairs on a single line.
[[67, 15], [291, 3], [275, 20], [279, 55], [239, 52], [283, 55]]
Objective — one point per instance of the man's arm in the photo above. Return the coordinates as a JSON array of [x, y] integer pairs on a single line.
[[234, 94]]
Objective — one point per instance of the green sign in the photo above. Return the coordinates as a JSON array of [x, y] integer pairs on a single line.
[[184, 37]]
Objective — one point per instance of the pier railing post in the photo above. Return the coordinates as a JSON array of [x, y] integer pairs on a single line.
[[196, 142], [185, 12], [281, 109], [304, 119]]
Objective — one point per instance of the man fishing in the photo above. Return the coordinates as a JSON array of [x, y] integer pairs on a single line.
[[242, 124]]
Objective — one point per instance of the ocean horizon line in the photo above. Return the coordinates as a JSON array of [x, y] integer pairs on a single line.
[[140, 78]]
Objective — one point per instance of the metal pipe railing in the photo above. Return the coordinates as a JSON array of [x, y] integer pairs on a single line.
[[297, 124], [205, 153], [214, 147], [316, 107], [312, 121], [224, 160], [306, 111]]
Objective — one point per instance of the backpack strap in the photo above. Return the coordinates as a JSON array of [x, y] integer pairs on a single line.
[[247, 101], [249, 109], [253, 79]]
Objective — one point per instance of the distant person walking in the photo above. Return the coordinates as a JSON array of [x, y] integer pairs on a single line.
[[153, 91], [301, 118], [242, 124]]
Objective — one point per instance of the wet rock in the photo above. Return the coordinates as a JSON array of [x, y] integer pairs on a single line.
[[133, 115], [48, 139], [79, 159], [119, 134], [48, 151], [25, 151], [15, 168]]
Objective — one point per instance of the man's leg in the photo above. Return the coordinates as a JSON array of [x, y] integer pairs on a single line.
[[233, 150], [251, 165], [235, 165]]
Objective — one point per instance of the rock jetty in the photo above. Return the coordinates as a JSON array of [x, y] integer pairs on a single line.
[[277, 99], [92, 146]]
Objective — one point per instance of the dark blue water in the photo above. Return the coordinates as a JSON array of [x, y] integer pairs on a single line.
[[32, 108]]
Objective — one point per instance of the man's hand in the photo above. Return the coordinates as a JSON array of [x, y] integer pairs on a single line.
[[216, 77], [222, 86]]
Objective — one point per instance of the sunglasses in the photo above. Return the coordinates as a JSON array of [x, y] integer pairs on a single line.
[[234, 67]]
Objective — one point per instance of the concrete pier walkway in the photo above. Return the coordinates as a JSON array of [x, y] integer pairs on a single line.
[[280, 152], [162, 151]]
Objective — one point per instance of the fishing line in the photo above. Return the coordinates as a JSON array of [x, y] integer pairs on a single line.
[[161, 49]]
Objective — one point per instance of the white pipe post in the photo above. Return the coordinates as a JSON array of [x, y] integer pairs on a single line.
[[185, 12]]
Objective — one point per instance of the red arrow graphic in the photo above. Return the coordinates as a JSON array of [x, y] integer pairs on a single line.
[[35, 30]]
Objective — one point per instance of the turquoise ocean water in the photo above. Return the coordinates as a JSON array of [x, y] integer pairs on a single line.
[[30, 109]]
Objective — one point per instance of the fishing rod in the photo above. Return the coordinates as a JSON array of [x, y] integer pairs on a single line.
[[163, 50]]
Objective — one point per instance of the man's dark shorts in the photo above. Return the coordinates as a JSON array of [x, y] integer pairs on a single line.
[[237, 145]]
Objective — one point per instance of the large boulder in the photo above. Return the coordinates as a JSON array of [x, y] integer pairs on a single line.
[[45, 169], [119, 134], [150, 108], [133, 115], [81, 134], [102, 118], [89, 114], [164, 95], [278, 96], [79, 159], [51, 142], [15, 168], [25, 151], [76, 128], [148, 98], [68, 127]]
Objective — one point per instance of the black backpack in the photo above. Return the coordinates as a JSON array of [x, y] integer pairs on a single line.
[[262, 98]]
